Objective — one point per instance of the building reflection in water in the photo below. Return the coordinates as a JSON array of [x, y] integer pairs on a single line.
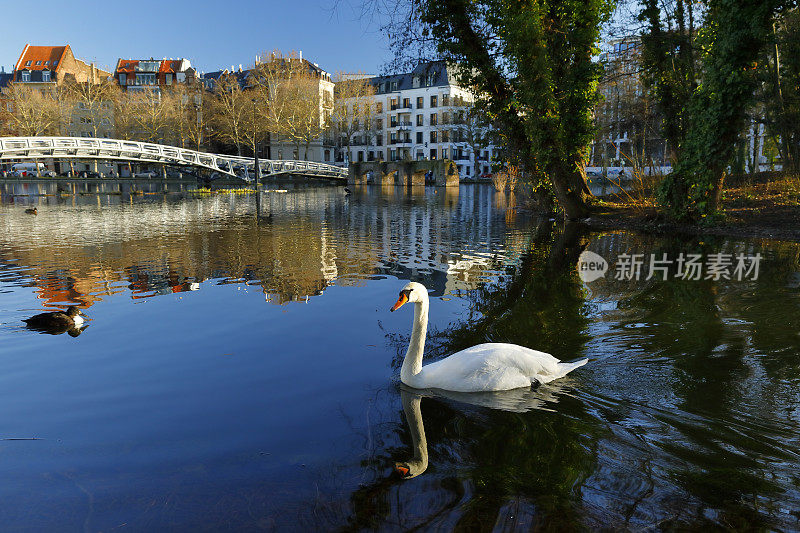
[[83, 248]]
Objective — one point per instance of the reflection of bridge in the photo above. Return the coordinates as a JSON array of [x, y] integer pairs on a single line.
[[19, 148]]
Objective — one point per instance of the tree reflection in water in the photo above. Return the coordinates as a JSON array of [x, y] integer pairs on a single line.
[[519, 463]]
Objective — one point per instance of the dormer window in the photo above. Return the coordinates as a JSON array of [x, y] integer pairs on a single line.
[[46, 75], [26, 76], [38, 63], [27, 63]]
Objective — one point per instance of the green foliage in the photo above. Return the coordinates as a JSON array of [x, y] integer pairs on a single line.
[[780, 74], [669, 63], [531, 64], [703, 123]]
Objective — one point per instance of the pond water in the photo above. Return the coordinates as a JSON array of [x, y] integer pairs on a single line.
[[240, 370]]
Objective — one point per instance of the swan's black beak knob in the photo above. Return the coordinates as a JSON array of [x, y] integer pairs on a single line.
[[401, 301]]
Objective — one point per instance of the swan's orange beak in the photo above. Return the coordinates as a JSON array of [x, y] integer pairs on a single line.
[[401, 301], [402, 470]]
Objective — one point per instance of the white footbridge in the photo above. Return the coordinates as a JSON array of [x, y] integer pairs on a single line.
[[66, 148]]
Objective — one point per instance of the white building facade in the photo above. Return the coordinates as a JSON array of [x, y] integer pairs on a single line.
[[423, 115]]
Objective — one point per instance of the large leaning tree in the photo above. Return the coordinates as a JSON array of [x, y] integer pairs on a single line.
[[530, 64]]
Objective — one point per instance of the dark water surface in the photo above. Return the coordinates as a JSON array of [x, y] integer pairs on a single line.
[[240, 372]]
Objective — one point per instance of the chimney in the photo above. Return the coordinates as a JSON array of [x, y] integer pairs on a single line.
[[301, 55]]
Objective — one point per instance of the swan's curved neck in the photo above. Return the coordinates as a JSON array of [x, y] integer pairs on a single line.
[[412, 364]]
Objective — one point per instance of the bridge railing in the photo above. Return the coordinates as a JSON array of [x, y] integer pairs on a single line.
[[15, 148]]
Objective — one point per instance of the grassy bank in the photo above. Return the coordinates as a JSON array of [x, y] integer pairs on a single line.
[[765, 209]]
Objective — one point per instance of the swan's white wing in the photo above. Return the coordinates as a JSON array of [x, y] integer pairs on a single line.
[[491, 366]]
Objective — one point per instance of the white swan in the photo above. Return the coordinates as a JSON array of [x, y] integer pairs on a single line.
[[485, 367]]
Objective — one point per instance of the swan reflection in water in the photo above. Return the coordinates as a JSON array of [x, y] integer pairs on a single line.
[[516, 400]]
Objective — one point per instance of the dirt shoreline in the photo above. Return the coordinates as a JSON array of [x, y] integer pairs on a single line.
[[787, 228], [763, 210]]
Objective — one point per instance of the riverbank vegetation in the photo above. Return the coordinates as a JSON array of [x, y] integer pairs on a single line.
[[706, 74]]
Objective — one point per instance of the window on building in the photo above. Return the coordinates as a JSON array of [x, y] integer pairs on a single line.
[[420, 102], [392, 155], [123, 78], [371, 156], [419, 137], [26, 76], [38, 63], [46, 75], [168, 79], [55, 63], [433, 100], [393, 103], [393, 121], [393, 138], [444, 153], [361, 155], [420, 120], [445, 136], [434, 119], [433, 136], [393, 85], [378, 123], [407, 103], [420, 155], [27, 63], [433, 153], [445, 100], [145, 79], [379, 140], [379, 107], [467, 167]]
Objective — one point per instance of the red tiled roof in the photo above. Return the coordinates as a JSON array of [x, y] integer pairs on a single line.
[[127, 65], [38, 55], [165, 65], [170, 66]]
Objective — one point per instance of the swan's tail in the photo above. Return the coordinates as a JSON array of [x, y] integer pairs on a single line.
[[563, 370]]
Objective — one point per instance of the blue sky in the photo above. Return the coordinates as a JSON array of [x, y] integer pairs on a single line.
[[212, 35]]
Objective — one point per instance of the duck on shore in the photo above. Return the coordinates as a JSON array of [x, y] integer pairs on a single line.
[[31, 211], [57, 322]]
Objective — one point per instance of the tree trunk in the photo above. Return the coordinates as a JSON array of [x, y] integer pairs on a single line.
[[569, 187]]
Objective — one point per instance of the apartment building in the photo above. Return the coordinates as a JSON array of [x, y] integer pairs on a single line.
[[141, 74], [276, 146], [49, 66], [423, 114]]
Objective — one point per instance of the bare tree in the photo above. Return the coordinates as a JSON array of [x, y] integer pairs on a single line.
[[229, 110], [90, 104], [185, 103], [33, 111], [354, 108]]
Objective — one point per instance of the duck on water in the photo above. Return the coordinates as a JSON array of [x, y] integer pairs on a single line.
[[57, 322]]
